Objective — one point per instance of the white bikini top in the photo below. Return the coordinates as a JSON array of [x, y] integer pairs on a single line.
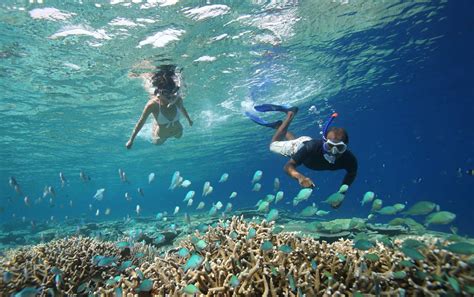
[[163, 120]]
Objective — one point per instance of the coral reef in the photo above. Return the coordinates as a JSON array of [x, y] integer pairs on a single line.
[[71, 259], [242, 258]]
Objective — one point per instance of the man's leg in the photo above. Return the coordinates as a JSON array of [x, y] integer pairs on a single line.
[[282, 130]]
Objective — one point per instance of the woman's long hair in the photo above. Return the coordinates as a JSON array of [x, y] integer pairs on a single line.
[[163, 79]]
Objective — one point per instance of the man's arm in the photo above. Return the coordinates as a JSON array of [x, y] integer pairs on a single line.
[[290, 169], [146, 112], [351, 169]]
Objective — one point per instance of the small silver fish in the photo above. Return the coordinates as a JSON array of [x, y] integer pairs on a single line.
[[62, 179], [257, 176], [124, 177], [27, 201], [12, 182], [205, 188], [276, 184], [200, 205], [224, 178], [45, 191], [84, 177], [51, 191], [18, 189], [151, 178], [186, 183]]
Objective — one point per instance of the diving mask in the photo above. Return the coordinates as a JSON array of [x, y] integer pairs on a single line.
[[334, 148]]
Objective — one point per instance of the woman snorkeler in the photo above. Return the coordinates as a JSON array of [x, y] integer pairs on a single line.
[[165, 104]]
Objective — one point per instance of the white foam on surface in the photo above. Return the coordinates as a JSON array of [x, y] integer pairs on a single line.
[[122, 22], [154, 3], [72, 66], [142, 20], [206, 12], [281, 24], [219, 37], [145, 4], [205, 59], [162, 38], [50, 13], [80, 30]]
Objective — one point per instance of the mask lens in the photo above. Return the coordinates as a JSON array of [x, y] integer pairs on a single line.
[[335, 148], [341, 148]]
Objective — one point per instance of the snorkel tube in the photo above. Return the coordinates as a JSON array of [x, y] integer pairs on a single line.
[[328, 123]]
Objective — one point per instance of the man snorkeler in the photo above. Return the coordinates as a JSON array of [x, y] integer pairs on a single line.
[[328, 153]]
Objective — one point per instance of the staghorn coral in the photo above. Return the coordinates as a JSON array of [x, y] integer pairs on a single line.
[[33, 266], [231, 263], [311, 267]]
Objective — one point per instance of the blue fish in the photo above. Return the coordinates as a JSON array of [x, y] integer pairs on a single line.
[[193, 262], [58, 280], [234, 281], [123, 244], [7, 276], [145, 286], [118, 292], [286, 249], [125, 265], [183, 252], [252, 233], [107, 261], [28, 292], [160, 238]]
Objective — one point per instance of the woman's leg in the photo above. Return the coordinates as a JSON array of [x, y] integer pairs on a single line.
[[156, 138], [178, 130]]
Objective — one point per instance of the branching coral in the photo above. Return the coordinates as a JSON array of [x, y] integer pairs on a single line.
[[71, 258], [229, 260]]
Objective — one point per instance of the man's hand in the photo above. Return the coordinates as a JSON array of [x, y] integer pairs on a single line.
[[129, 143], [306, 182]]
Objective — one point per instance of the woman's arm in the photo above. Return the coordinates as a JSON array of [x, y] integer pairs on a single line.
[[146, 112], [183, 110]]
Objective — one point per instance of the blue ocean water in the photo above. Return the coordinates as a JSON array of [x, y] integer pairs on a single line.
[[398, 74]]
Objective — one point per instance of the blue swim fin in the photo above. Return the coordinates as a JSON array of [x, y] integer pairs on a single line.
[[273, 107], [262, 122]]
